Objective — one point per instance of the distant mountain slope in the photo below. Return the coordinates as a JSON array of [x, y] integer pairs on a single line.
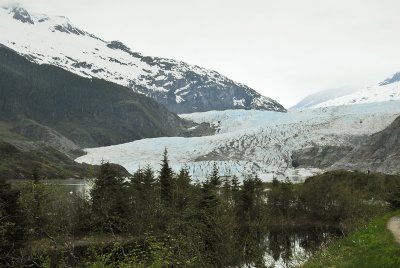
[[395, 78], [378, 153], [323, 96], [88, 112], [17, 163], [181, 87], [388, 90]]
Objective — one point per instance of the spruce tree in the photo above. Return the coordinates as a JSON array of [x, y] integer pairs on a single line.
[[148, 179], [165, 179], [109, 196], [182, 189], [214, 178], [208, 214]]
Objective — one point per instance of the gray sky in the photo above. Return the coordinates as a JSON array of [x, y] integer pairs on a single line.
[[285, 49]]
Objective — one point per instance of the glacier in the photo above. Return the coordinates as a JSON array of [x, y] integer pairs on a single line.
[[251, 141]]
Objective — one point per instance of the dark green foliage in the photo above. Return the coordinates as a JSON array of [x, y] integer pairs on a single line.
[[338, 197], [90, 112], [214, 177], [109, 195], [281, 198], [131, 222], [165, 179], [209, 224], [394, 197], [251, 218], [182, 190], [50, 163], [12, 230]]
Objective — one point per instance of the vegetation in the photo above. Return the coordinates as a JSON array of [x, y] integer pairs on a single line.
[[18, 164], [145, 220], [165, 220], [338, 198], [370, 246], [89, 112]]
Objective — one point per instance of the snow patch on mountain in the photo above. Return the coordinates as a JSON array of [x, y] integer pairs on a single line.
[[323, 96], [379, 93], [250, 141], [181, 87]]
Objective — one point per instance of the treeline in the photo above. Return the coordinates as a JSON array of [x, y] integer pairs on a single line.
[[148, 219], [338, 198], [165, 219]]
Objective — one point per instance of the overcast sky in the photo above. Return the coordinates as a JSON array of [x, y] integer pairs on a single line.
[[284, 49]]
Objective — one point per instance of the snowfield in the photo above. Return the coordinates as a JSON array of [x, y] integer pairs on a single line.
[[249, 141], [377, 93]]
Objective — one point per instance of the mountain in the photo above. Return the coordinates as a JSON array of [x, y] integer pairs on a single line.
[[295, 144], [20, 163], [17, 163], [323, 96], [387, 90], [181, 87], [48, 114], [380, 152], [395, 78], [88, 112]]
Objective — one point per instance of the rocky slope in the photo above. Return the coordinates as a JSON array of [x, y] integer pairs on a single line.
[[379, 152], [181, 87]]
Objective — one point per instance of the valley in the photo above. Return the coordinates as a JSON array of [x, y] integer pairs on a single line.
[[111, 158]]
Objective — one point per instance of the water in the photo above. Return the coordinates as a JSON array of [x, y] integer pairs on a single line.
[[73, 186], [292, 247]]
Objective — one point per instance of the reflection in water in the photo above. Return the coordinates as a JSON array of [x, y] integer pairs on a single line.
[[73, 186], [289, 248]]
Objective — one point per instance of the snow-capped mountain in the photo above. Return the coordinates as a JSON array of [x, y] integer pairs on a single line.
[[179, 86], [388, 90], [323, 96], [395, 78], [268, 143]]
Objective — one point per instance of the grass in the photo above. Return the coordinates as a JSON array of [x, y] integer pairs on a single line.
[[371, 246]]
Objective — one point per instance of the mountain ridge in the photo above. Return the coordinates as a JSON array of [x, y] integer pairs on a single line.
[[322, 96], [181, 87]]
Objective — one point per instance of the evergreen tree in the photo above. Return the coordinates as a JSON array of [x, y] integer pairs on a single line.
[[280, 198], [12, 230], [109, 205], [214, 177], [182, 189], [166, 183], [209, 224], [148, 179], [235, 190], [251, 231]]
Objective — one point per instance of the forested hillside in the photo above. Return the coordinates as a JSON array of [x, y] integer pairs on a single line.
[[89, 112]]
